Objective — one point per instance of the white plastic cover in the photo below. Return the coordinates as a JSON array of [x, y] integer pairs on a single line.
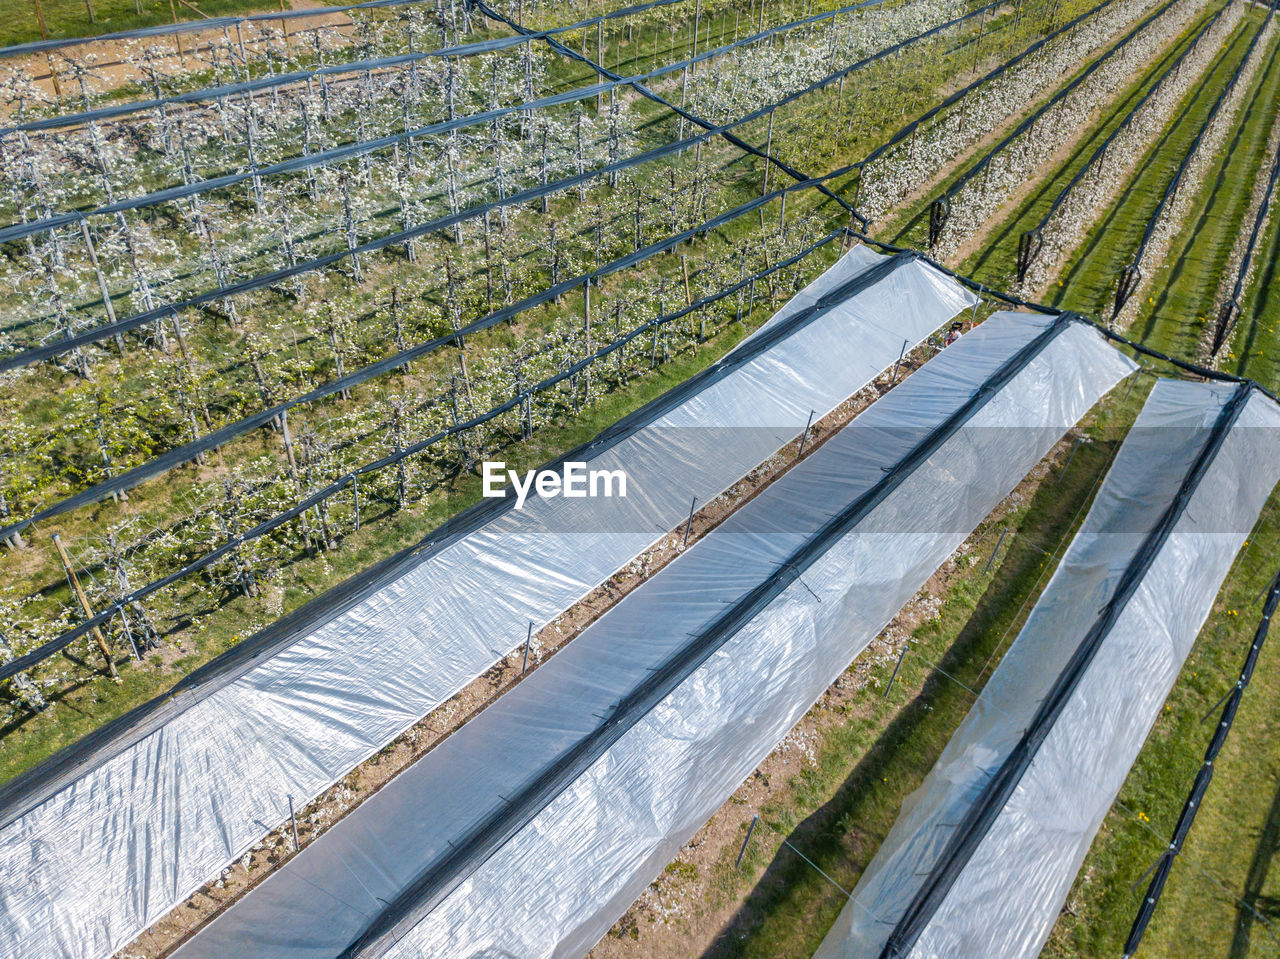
[[1006, 899], [563, 879], [89, 867]]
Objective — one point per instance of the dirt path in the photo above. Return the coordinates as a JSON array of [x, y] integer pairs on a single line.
[[112, 70]]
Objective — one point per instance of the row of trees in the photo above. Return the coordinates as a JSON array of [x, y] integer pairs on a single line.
[[297, 457], [1076, 209], [989, 180], [203, 375], [917, 155], [1175, 206]]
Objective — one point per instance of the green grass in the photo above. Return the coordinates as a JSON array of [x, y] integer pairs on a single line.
[[71, 18]]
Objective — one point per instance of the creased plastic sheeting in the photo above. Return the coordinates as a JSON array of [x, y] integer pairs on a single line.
[[564, 877], [88, 868], [1008, 896], [859, 258]]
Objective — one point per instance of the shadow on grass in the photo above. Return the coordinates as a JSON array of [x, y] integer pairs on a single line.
[[1252, 901]]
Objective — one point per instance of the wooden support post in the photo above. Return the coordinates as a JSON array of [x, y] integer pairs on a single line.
[[74, 580], [102, 280]]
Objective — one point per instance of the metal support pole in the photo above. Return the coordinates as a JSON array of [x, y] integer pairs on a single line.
[[528, 641], [805, 435], [128, 631], [293, 824], [894, 678], [750, 829], [999, 542], [1132, 380], [1070, 456], [894, 379], [689, 525]]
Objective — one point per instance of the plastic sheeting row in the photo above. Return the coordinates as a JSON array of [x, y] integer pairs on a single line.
[[106, 838], [529, 830], [1180, 499]]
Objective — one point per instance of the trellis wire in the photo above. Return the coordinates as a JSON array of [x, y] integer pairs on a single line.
[[54, 646], [1204, 775]]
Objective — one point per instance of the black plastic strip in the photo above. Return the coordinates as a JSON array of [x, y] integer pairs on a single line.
[[982, 813], [1201, 783], [466, 854], [20, 794]]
